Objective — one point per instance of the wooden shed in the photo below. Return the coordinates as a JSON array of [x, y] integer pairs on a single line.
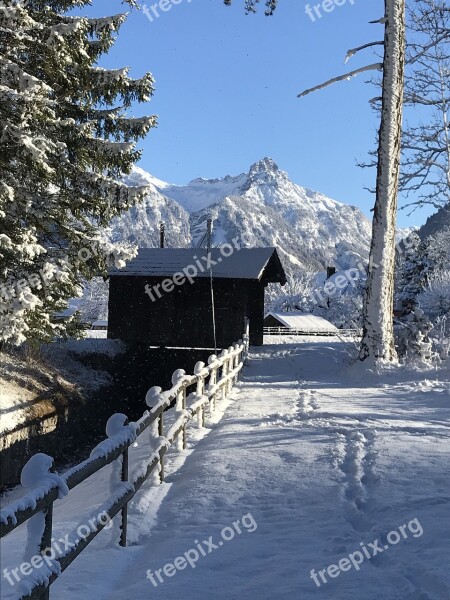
[[163, 297], [297, 323]]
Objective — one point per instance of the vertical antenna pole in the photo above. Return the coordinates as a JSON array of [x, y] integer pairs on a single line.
[[209, 236], [209, 245]]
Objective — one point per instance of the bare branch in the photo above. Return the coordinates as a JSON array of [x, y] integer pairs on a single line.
[[353, 51], [347, 76]]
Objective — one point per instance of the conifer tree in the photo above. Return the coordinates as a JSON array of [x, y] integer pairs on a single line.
[[66, 141]]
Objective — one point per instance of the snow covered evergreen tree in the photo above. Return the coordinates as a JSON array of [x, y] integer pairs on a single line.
[[420, 262], [423, 293], [435, 298], [66, 140], [413, 270], [438, 249]]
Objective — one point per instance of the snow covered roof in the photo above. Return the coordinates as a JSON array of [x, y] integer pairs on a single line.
[[303, 322], [246, 263], [100, 323]]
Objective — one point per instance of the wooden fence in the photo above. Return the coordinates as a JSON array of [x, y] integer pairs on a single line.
[[286, 331], [211, 382]]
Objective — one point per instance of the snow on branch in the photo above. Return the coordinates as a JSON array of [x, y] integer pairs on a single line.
[[354, 51], [346, 76]]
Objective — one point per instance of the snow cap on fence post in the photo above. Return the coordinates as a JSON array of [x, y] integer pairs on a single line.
[[115, 424], [37, 473], [154, 399], [199, 366], [118, 431], [213, 373], [153, 396], [178, 376], [199, 371]]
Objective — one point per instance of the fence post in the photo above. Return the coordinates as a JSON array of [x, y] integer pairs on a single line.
[[201, 380], [230, 369], [212, 382], [246, 338], [199, 372], [46, 540], [223, 374], [183, 404], [214, 379], [162, 451], [179, 408], [153, 399], [237, 361], [39, 470], [124, 524]]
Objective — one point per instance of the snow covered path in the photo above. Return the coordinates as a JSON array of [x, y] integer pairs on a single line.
[[325, 462]]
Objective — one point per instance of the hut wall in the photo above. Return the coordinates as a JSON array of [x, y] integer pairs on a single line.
[[183, 317]]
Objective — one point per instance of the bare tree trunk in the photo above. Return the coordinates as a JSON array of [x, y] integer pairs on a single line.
[[378, 336]]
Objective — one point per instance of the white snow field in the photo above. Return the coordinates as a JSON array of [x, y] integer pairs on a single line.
[[321, 465]]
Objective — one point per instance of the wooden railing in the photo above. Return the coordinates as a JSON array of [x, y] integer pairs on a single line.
[[211, 382]]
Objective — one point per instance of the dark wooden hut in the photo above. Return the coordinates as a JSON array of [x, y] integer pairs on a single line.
[[163, 297]]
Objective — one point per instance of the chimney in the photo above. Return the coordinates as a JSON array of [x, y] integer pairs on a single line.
[[330, 272], [209, 235]]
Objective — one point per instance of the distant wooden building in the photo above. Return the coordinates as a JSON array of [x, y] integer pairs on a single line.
[[297, 323], [163, 296], [99, 325]]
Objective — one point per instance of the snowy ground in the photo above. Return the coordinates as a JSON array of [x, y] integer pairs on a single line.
[[324, 460]]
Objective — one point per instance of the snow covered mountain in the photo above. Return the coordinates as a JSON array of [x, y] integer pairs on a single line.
[[437, 222], [311, 230]]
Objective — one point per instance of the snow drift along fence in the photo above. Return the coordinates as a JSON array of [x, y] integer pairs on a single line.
[[210, 382]]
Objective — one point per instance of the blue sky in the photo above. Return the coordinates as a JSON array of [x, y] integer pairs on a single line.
[[226, 87]]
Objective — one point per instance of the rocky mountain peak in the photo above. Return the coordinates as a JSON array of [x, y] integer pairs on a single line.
[[265, 171]]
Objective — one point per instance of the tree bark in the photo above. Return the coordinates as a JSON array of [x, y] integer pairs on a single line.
[[378, 328]]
